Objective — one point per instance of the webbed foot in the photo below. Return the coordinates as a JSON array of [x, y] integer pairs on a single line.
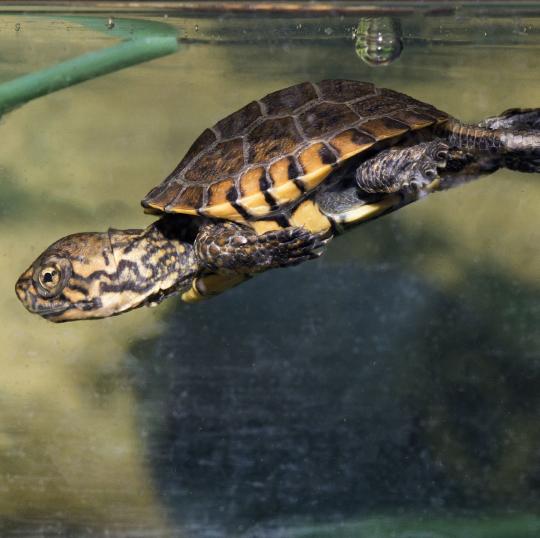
[[232, 248], [408, 170]]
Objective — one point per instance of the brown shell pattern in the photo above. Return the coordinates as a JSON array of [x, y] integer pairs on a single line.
[[271, 151]]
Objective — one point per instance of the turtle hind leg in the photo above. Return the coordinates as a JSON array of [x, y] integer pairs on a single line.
[[521, 128], [406, 170], [230, 248], [384, 183], [514, 118]]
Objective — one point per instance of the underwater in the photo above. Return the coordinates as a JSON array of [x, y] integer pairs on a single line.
[[377, 377]]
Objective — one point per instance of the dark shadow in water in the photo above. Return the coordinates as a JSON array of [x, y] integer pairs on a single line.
[[329, 391]]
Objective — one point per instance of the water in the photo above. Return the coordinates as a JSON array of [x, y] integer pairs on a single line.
[[388, 389]]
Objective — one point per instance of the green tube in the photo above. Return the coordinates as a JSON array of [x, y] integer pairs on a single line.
[[90, 65]]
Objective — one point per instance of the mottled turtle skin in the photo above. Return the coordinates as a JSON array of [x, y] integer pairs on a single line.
[[271, 153], [269, 186]]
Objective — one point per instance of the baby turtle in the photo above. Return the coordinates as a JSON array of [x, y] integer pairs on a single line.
[[267, 187]]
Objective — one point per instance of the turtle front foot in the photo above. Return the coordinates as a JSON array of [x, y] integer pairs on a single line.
[[431, 157], [232, 248], [289, 246], [407, 170]]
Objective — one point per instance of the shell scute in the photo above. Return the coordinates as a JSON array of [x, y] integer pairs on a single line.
[[220, 192], [188, 198], [289, 99], [280, 171], [351, 142], [283, 189], [341, 91], [225, 160], [324, 118], [161, 196], [382, 128], [375, 106], [413, 118], [231, 125], [273, 150], [401, 97], [272, 138], [418, 106], [311, 159], [250, 182]]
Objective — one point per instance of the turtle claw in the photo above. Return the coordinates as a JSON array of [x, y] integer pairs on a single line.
[[425, 170], [437, 151], [304, 246]]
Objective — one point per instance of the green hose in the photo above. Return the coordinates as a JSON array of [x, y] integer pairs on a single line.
[[142, 41]]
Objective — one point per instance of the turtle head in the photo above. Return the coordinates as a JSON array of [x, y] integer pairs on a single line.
[[97, 275], [66, 282]]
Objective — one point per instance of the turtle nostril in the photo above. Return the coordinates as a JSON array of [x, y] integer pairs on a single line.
[[20, 288], [19, 291]]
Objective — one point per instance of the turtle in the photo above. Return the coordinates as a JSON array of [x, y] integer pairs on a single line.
[[268, 186]]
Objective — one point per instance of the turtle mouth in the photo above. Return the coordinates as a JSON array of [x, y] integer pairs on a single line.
[[55, 311], [47, 312]]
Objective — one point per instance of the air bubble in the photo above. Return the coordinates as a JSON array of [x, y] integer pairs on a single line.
[[378, 40]]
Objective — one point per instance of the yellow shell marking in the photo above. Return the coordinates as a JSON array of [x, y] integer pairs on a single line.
[[222, 211], [286, 193], [159, 208], [346, 146], [283, 190], [369, 211], [257, 205], [209, 285], [309, 216], [263, 226]]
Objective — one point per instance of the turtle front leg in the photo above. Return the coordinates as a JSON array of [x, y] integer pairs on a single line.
[[407, 170], [230, 248]]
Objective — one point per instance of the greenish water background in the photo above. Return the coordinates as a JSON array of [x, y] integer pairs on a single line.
[[389, 389]]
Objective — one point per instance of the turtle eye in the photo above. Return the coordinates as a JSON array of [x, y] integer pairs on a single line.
[[51, 277]]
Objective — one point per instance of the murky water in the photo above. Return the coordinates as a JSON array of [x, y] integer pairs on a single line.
[[390, 388]]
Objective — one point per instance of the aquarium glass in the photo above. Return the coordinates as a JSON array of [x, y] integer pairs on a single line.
[[390, 388]]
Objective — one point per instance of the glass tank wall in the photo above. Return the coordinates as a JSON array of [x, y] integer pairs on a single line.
[[390, 388]]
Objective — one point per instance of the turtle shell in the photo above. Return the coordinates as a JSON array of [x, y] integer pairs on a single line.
[[272, 151]]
